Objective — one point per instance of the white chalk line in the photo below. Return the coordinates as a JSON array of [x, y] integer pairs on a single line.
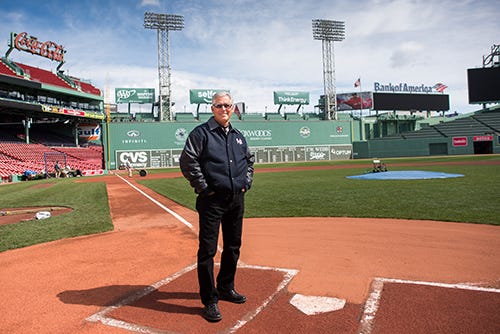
[[176, 215], [373, 302], [102, 317]]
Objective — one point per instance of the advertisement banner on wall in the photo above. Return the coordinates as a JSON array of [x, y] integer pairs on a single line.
[[203, 96], [483, 138], [134, 95], [282, 97], [460, 141], [89, 131]]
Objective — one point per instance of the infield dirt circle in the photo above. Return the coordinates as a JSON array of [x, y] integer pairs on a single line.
[[394, 276]]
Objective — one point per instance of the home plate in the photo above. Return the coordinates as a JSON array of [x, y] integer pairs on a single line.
[[312, 305]]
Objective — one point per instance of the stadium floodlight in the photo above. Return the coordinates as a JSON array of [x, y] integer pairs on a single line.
[[164, 23], [327, 32]]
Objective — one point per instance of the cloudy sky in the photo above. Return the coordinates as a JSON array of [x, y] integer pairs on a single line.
[[256, 47]]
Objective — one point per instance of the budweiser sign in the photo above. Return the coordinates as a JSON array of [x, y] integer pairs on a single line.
[[24, 42], [459, 141]]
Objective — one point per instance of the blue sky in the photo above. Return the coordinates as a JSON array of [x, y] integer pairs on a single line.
[[255, 47]]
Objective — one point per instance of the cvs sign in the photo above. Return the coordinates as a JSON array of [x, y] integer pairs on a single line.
[[136, 158]]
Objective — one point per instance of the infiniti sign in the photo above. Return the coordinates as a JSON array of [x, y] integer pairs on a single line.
[[133, 133]]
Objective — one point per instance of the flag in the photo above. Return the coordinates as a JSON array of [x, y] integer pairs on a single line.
[[357, 83], [440, 87], [239, 108]]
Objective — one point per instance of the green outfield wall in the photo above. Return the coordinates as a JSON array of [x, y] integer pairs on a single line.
[[387, 148], [158, 145]]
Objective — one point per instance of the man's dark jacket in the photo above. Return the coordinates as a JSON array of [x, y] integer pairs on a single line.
[[215, 162]]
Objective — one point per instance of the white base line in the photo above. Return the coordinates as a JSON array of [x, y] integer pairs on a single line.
[[372, 303], [177, 216], [102, 317], [289, 274]]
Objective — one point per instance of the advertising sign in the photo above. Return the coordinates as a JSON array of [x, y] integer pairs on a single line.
[[134, 95], [283, 97], [459, 141], [71, 112], [483, 138], [354, 101], [89, 131], [203, 96], [402, 87], [31, 44]]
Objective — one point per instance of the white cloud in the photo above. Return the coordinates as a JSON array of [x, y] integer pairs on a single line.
[[155, 3]]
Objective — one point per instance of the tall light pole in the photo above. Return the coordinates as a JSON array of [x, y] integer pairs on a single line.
[[328, 32], [163, 23]]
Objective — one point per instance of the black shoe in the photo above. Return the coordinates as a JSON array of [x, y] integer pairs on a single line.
[[211, 313], [232, 296]]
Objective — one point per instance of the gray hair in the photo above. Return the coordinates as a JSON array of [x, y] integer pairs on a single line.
[[221, 94]]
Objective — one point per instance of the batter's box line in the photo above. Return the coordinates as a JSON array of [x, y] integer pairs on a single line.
[[103, 318], [373, 301]]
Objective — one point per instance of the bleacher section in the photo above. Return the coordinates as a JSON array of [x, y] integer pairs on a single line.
[[426, 132], [86, 87], [274, 117], [43, 76], [293, 117], [16, 157], [46, 77], [477, 124], [313, 117], [467, 126], [4, 69], [489, 119]]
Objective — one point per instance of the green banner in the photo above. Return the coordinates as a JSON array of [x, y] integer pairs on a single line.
[[291, 97], [135, 95], [203, 96]]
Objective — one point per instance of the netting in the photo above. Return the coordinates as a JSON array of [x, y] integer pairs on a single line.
[[51, 158]]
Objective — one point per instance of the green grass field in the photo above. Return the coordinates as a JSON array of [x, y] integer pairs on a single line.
[[474, 198]]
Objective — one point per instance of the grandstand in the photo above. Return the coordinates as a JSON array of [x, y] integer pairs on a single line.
[[474, 133], [40, 116], [477, 124]]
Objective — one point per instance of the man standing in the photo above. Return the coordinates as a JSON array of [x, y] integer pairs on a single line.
[[128, 167], [218, 164], [57, 169]]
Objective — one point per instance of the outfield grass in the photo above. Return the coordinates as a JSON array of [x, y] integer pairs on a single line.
[[474, 198]]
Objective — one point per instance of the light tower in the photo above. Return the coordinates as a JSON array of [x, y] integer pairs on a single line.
[[163, 23], [328, 32]]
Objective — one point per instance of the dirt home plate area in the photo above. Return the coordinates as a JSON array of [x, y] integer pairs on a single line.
[[300, 275]]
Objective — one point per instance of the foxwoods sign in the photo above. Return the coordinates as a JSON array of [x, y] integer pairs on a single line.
[[401, 88]]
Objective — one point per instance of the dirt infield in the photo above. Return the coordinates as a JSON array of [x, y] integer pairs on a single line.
[[395, 276], [16, 215]]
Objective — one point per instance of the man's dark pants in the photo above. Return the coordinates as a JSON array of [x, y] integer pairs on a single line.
[[216, 210]]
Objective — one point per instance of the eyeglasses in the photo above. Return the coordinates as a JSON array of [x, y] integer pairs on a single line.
[[225, 105]]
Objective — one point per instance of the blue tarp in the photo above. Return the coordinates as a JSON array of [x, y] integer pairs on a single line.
[[404, 175]]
